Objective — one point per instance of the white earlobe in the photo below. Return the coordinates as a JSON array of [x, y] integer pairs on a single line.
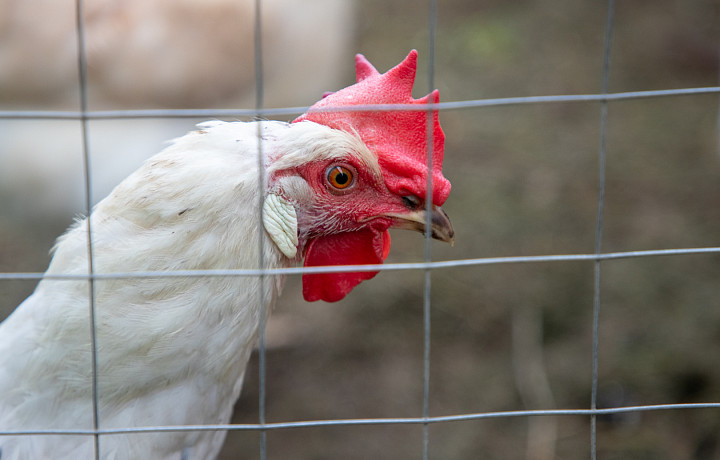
[[280, 221]]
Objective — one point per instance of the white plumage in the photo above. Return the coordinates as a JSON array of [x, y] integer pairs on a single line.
[[171, 351]]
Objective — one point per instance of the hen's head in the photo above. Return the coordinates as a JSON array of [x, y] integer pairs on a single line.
[[348, 176]]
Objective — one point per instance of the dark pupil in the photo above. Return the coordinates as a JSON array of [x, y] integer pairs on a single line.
[[341, 178]]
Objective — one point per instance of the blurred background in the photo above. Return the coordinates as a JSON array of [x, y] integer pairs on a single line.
[[525, 179]]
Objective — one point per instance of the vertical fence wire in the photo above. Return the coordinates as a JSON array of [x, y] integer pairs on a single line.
[[427, 286], [83, 87], [602, 154], [259, 103]]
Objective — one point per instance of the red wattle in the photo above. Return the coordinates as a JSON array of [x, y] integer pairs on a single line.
[[362, 247]]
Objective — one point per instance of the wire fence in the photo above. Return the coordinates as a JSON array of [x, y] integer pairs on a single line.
[[428, 266]]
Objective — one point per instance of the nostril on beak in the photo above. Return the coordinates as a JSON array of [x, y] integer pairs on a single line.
[[412, 202]]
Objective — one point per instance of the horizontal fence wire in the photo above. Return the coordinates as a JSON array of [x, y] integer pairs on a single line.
[[444, 264], [456, 105], [372, 421]]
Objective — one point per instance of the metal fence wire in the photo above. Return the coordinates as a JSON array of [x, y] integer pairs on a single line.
[[429, 267]]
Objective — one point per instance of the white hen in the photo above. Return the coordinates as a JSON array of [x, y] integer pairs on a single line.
[[173, 350]]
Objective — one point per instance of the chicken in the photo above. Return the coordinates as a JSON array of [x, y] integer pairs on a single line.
[[173, 350]]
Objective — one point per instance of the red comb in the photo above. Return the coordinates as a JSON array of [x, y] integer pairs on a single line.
[[399, 137]]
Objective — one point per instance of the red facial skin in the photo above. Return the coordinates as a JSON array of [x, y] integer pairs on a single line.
[[344, 226]]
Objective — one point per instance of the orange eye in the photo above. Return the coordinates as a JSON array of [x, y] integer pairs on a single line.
[[340, 177]]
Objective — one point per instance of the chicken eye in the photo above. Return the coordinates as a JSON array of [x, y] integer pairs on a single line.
[[340, 177]]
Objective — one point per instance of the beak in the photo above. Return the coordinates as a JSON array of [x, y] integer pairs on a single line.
[[441, 227]]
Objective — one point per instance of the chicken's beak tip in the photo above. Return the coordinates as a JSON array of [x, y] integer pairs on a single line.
[[442, 227]]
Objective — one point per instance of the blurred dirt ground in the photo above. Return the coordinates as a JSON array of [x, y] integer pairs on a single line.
[[525, 178]]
